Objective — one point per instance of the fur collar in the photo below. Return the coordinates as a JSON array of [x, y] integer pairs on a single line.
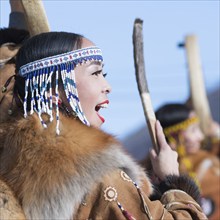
[[51, 174]]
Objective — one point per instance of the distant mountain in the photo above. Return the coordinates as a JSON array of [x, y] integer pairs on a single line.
[[214, 102], [138, 143]]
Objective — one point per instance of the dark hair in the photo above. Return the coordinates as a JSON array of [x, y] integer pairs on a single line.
[[42, 46], [171, 114], [47, 44], [13, 35]]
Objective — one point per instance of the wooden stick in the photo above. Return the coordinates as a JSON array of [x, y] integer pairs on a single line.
[[197, 87], [142, 82], [35, 16]]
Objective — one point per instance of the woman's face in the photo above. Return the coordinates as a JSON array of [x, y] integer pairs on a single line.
[[92, 88], [193, 137]]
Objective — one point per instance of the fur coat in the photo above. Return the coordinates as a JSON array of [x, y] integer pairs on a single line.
[[10, 42], [84, 174]]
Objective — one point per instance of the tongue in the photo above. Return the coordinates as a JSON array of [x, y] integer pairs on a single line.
[[102, 119]]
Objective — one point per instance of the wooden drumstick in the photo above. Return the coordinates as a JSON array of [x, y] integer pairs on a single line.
[[35, 16], [142, 82], [197, 87]]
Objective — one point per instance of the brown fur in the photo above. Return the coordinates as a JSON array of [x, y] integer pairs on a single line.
[[6, 71], [9, 207], [47, 171], [43, 151]]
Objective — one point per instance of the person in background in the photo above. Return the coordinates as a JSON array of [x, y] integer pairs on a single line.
[[62, 165], [181, 128], [11, 39], [211, 141]]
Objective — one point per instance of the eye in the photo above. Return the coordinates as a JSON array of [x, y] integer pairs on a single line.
[[105, 74], [97, 73]]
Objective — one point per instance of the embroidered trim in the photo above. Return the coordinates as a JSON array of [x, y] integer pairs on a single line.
[[144, 205], [173, 190], [188, 203], [125, 176], [77, 56], [110, 194], [180, 126], [126, 214]]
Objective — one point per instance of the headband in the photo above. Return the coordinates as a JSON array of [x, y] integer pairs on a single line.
[[180, 126], [38, 82]]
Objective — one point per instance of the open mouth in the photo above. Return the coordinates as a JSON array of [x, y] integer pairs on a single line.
[[99, 106]]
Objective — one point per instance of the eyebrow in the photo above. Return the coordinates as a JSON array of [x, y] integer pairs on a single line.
[[95, 62]]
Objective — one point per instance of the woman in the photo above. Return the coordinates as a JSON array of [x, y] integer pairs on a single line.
[[181, 128], [62, 166]]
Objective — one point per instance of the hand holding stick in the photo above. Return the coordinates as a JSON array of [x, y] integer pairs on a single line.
[[142, 82]]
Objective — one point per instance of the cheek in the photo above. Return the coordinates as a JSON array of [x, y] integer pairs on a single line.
[[86, 94], [81, 93], [192, 144], [188, 139], [87, 98]]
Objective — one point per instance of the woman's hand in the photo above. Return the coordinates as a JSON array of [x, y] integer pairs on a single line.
[[165, 163]]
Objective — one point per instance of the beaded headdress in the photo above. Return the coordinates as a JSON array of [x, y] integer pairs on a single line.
[[174, 130], [38, 82], [180, 126]]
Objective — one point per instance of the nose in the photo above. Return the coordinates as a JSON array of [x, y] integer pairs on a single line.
[[106, 88], [200, 135]]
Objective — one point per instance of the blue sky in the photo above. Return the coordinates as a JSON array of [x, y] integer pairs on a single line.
[[109, 24]]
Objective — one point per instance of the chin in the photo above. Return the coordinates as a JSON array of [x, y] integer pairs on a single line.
[[96, 124], [193, 151]]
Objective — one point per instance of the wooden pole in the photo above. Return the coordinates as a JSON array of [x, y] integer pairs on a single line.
[[35, 16], [197, 87], [142, 82]]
